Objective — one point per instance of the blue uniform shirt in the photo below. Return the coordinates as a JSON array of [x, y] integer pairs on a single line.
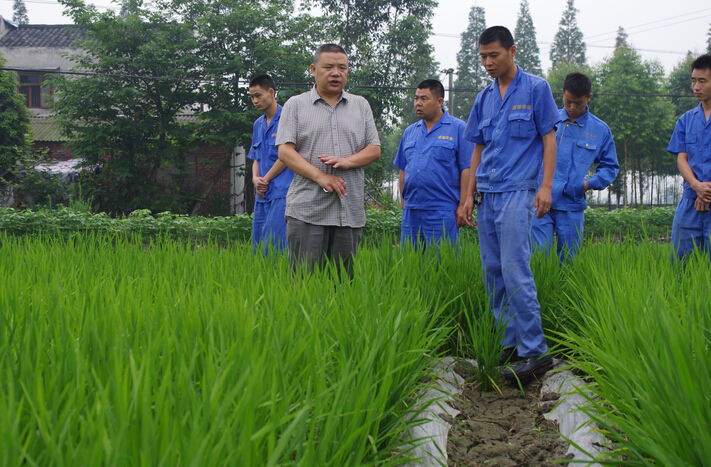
[[692, 135], [512, 130], [581, 143], [266, 154], [432, 163]]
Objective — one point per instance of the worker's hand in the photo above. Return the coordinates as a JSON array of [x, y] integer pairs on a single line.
[[703, 191], [467, 209], [335, 162], [261, 185], [331, 183], [543, 202], [701, 205]]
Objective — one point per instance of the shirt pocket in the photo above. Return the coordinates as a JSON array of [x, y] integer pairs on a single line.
[[521, 124], [444, 151], [273, 150], [255, 150], [485, 129], [410, 151], [585, 151], [692, 149]]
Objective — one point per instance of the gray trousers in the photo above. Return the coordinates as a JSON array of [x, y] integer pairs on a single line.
[[311, 244]]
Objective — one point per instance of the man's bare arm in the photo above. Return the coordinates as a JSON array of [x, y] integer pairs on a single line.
[[471, 188], [543, 201], [702, 189], [365, 156]]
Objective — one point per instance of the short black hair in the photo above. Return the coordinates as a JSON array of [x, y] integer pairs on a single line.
[[702, 63], [497, 33], [578, 84], [263, 81], [434, 86], [332, 48]]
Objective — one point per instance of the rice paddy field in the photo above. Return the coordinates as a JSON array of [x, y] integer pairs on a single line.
[[119, 351]]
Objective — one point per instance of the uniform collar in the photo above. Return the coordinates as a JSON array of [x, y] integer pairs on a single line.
[[580, 121], [512, 87], [445, 119]]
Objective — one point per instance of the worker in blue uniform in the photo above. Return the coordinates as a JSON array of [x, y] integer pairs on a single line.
[[513, 125], [582, 140], [271, 178], [433, 158], [691, 142]]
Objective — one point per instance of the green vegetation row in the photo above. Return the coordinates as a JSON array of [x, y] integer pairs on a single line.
[[654, 223]]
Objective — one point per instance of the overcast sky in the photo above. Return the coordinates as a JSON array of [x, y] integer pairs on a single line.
[[661, 29]]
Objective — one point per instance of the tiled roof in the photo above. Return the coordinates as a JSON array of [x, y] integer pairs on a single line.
[[42, 35], [45, 128]]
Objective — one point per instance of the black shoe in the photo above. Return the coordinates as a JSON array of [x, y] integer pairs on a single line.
[[529, 366], [509, 355]]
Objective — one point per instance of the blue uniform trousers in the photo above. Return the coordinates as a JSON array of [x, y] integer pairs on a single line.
[[428, 227], [690, 229], [504, 223], [269, 225], [566, 225]]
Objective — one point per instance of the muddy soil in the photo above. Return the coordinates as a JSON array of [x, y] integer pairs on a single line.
[[503, 429]]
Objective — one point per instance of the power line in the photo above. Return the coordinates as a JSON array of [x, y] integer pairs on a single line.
[[651, 22], [289, 84], [655, 28]]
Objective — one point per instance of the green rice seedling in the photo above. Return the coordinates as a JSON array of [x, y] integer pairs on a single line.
[[548, 274], [641, 329], [115, 351], [483, 342]]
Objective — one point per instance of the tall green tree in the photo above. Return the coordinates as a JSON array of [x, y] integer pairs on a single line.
[[14, 120], [708, 41], [621, 38], [679, 86], [471, 75], [527, 51], [237, 40], [568, 45], [126, 115], [162, 59], [641, 120], [19, 12], [387, 45]]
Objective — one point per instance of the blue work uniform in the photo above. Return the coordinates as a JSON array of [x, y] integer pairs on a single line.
[[691, 228], [268, 222], [432, 162], [580, 144], [511, 130]]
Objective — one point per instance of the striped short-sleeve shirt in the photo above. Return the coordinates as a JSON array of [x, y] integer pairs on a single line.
[[316, 128]]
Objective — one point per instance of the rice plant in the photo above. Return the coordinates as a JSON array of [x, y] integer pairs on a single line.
[[115, 352], [641, 328]]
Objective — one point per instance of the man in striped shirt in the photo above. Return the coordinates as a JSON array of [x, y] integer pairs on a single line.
[[326, 137]]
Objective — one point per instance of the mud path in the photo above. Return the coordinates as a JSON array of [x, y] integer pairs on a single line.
[[504, 429]]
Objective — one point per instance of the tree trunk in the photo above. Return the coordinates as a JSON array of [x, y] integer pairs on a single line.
[[651, 188], [634, 182], [624, 178], [641, 182]]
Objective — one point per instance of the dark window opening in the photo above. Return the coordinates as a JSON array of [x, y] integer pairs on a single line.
[[36, 94]]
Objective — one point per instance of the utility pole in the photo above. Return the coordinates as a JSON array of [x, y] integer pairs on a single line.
[[450, 72]]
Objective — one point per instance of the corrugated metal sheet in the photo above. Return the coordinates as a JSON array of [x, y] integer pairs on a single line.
[[46, 129]]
